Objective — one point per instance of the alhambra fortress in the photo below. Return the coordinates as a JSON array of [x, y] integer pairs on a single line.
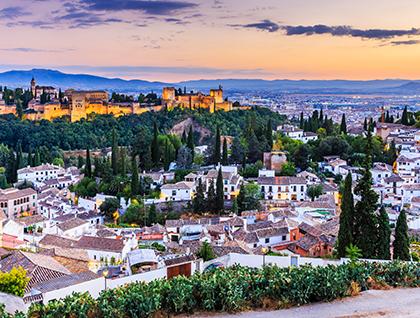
[[47, 104]]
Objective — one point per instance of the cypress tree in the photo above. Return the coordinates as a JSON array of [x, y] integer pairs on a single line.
[[211, 198], [151, 215], [365, 229], [301, 121], [37, 158], [190, 141], [321, 117], [3, 181], [114, 156], [11, 171], [343, 125], [404, 117], [19, 156], [225, 153], [88, 165], [135, 187], [216, 150], [269, 134], [345, 233], [401, 243], [384, 235], [166, 156], [29, 157], [220, 193], [184, 137], [123, 164], [198, 201], [365, 125], [155, 146]]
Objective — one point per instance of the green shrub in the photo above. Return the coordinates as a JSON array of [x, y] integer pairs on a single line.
[[233, 289], [14, 282]]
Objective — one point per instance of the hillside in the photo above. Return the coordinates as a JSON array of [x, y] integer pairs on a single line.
[[21, 78]]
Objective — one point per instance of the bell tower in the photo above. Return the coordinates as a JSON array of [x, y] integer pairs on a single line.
[[33, 87]]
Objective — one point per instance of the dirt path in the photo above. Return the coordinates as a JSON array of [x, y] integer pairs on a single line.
[[396, 303]]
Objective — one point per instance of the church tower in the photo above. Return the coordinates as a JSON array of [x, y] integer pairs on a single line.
[[33, 87]]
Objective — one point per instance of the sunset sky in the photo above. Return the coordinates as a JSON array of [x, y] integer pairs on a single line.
[[172, 40]]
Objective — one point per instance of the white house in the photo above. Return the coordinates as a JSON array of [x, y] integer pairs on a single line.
[[180, 191], [101, 249], [40, 173], [231, 180], [283, 188]]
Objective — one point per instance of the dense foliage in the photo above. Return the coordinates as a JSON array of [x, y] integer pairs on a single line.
[[234, 289], [97, 132], [14, 282]]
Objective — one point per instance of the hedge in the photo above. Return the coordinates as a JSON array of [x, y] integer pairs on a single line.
[[234, 289]]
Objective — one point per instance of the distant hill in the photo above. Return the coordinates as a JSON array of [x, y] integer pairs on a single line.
[[76, 81], [21, 78]]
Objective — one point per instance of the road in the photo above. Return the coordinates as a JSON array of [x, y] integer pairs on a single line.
[[396, 303]]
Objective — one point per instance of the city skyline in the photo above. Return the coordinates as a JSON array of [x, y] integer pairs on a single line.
[[194, 39]]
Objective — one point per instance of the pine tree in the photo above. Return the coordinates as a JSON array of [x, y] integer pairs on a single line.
[[155, 146], [220, 192], [216, 150], [345, 237], [401, 243], [190, 141], [269, 134], [237, 151], [384, 235], [343, 125], [365, 228], [134, 178], [225, 160], [88, 165], [198, 202]]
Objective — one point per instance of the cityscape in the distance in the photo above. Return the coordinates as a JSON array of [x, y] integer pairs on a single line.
[[209, 158]]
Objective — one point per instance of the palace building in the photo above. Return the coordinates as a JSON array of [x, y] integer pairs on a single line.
[[172, 98], [77, 104]]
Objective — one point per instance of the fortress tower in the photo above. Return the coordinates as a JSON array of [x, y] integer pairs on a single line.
[[168, 93], [217, 94], [33, 87]]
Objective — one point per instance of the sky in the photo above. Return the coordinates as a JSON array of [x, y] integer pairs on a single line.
[[174, 40]]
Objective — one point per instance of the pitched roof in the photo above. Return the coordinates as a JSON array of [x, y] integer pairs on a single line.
[[31, 220], [100, 244], [39, 268], [65, 281], [58, 241], [71, 224], [281, 180]]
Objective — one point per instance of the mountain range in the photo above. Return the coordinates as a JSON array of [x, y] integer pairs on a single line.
[[22, 78]]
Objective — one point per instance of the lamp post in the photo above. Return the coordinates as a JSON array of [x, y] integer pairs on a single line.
[[105, 274], [264, 251]]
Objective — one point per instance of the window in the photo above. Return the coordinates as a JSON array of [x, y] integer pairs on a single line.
[[283, 238], [173, 192], [267, 240]]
